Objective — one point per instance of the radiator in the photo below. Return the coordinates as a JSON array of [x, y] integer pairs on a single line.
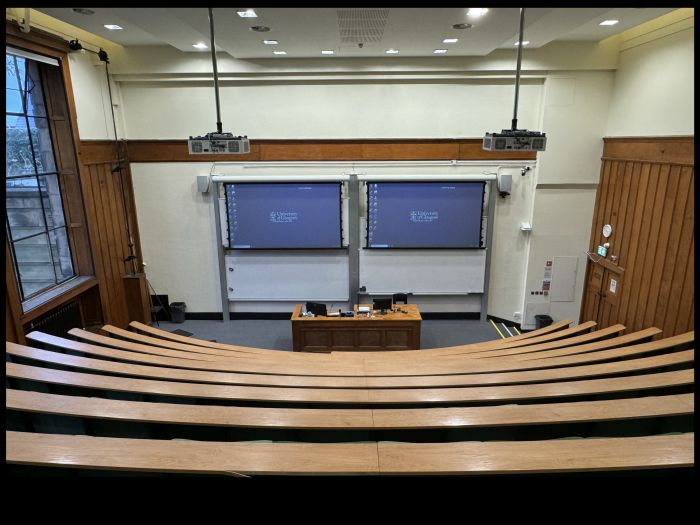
[[57, 321]]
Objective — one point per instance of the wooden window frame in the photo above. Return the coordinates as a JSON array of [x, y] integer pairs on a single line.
[[49, 45]]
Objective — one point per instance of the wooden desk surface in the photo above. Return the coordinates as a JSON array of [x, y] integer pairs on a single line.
[[401, 312], [537, 456], [370, 458], [348, 418], [205, 376], [356, 395], [369, 367], [190, 456]]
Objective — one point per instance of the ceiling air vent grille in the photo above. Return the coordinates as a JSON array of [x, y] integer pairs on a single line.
[[362, 25]]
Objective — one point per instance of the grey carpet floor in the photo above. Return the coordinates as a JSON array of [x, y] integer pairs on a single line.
[[277, 335]]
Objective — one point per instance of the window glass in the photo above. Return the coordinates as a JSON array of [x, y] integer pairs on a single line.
[[34, 208]]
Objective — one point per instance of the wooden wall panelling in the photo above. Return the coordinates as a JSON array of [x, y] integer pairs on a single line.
[[632, 238], [327, 150], [649, 202], [680, 254]]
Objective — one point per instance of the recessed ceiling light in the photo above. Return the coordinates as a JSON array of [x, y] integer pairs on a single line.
[[279, 52], [462, 26], [477, 11], [248, 13], [260, 29], [327, 52], [525, 42], [200, 45], [392, 51], [83, 11], [608, 22], [270, 42], [440, 51], [113, 27], [450, 40]]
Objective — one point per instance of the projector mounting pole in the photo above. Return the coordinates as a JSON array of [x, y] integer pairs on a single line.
[[514, 125], [219, 127]]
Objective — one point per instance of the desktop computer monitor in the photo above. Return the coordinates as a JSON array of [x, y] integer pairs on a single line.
[[382, 304], [316, 308]]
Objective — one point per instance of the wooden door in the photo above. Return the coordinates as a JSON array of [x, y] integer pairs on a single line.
[[594, 286]]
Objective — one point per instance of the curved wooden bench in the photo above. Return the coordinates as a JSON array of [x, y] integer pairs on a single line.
[[642, 336], [582, 344], [164, 335], [562, 336], [189, 456], [447, 365], [201, 376], [530, 457], [125, 336], [568, 337], [356, 419], [355, 396], [183, 351], [358, 458]]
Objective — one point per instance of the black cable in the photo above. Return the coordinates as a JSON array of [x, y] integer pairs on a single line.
[[132, 256], [165, 311]]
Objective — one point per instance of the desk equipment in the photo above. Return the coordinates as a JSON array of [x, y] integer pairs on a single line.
[[382, 304], [316, 308], [361, 332]]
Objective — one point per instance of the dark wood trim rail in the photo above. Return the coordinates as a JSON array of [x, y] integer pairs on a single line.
[[328, 150], [357, 458], [201, 376], [353, 396], [347, 418]]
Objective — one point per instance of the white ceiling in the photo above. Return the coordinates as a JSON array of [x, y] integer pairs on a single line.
[[303, 32]]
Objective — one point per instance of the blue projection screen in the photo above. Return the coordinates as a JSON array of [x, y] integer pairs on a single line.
[[283, 216], [424, 214]]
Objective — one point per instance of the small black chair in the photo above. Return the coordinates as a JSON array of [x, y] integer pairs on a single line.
[[400, 298]]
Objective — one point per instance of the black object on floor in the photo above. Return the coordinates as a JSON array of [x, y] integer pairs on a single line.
[[181, 332]]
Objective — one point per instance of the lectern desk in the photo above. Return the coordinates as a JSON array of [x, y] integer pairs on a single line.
[[396, 330]]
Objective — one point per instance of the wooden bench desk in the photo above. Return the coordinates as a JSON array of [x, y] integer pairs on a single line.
[[396, 330], [356, 458], [232, 378], [349, 418], [368, 367], [354, 395]]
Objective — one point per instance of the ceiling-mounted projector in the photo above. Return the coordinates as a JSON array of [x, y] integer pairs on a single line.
[[218, 143], [515, 139]]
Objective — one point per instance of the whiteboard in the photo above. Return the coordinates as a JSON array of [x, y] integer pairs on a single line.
[[288, 276], [423, 271]]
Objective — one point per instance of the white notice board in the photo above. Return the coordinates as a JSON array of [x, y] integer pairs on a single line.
[[423, 271], [564, 279], [288, 276]]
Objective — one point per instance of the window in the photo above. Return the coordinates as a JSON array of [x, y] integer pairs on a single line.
[[36, 225]]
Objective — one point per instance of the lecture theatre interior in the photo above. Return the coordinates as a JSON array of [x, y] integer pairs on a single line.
[[377, 242]]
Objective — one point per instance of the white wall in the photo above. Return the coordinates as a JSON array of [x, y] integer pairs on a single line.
[[574, 113], [329, 110], [177, 233], [570, 106], [654, 92]]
